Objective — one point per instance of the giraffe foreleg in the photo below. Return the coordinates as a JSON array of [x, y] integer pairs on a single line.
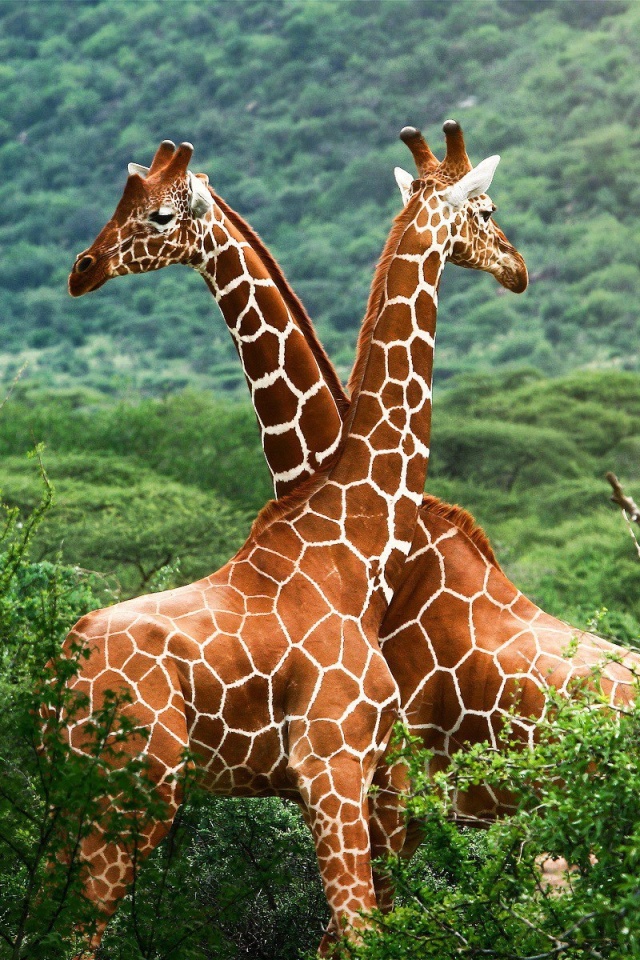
[[333, 792], [388, 825]]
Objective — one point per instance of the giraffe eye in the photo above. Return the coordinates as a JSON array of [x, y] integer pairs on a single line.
[[161, 218], [486, 215]]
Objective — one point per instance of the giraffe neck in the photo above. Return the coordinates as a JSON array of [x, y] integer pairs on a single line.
[[383, 461], [296, 404]]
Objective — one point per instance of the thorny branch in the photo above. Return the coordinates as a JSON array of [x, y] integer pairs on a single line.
[[629, 507]]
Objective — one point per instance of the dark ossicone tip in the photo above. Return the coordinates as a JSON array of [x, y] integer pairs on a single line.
[[168, 143], [187, 145], [450, 126], [408, 133]]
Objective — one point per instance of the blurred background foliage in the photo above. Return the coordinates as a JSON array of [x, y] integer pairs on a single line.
[[294, 109]]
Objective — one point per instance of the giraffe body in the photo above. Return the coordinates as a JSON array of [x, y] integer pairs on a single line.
[[290, 626], [470, 651]]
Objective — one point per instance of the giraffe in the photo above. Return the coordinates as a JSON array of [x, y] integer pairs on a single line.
[[180, 220], [270, 669]]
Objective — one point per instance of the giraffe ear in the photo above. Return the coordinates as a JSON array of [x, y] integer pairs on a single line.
[[201, 199], [405, 182], [474, 183], [139, 169]]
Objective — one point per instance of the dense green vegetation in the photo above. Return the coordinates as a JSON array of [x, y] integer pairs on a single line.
[[294, 109]]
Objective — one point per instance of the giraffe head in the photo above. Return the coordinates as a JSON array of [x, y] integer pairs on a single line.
[[158, 221], [453, 210]]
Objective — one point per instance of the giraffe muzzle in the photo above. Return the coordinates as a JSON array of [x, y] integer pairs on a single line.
[[87, 274]]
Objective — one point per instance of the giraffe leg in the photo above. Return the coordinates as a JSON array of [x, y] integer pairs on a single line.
[[334, 794], [109, 865], [388, 825]]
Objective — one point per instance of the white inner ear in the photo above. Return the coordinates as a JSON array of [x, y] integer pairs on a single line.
[[404, 181], [139, 169], [474, 183], [201, 199]]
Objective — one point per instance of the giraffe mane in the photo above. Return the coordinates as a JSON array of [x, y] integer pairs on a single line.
[[376, 294], [293, 303], [465, 522], [274, 509]]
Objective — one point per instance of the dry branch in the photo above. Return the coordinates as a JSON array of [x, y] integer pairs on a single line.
[[629, 507]]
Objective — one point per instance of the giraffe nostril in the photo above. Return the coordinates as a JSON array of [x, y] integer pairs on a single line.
[[83, 264]]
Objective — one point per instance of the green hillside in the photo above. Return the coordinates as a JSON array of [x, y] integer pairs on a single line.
[[294, 109]]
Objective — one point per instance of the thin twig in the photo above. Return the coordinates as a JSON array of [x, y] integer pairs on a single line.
[[13, 383], [630, 509]]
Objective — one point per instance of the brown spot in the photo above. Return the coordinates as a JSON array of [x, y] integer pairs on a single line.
[[325, 737], [340, 574], [423, 219], [283, 450], [207, 688], [149, 637], [264, 752], [330, 503], [431, 267], [473, 730], [250, 323], [324, 642], [300, 606], [277, 403], [448, 616], [370, 410], [261, 356], [398, 362], [364, 505], [316, 529], [416, 395], [408, 658], [337, 692], [480, 681], [230, 266], [320, 421], [488, 622], [259, 605], [269, 303], [358, 725], [386, 470], [402, 278], [385, 437], [282, 539], [209, 731], [273, 564], [219, 235], [235, 749], [138, 666], [499, 588], [247, 706], [393, 395], [356, 648], [442, 235]]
